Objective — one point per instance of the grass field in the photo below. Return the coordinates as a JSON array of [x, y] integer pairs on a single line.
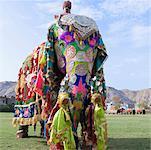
[[126, 132]]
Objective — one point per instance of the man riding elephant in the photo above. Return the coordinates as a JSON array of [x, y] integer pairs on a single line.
[[66, 76]]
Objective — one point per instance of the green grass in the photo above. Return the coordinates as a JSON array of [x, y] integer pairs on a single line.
[[129, 132], [126, 132], [8, 139]]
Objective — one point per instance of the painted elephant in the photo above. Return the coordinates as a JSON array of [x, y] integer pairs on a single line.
[[80, 54], [62, 81]]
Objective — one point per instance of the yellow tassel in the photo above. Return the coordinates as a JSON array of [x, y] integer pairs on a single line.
[[22, 121], [81, 42], [26, 121], [14, 122], [70, 28], [30, 121], [18, 120]]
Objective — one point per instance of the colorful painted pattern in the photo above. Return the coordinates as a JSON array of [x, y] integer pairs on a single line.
[[26, 114], [77, 60]]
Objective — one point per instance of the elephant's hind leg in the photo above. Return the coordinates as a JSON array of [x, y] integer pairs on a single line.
[[22, 132]]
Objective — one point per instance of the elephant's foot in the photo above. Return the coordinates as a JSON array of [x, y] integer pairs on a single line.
[[22, 132]]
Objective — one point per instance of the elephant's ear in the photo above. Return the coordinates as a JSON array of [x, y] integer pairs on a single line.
[[98, 80], [101, 55]]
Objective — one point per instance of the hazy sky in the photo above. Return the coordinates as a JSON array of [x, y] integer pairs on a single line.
[[124, 25]]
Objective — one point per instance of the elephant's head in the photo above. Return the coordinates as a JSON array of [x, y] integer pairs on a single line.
[[77, 43]]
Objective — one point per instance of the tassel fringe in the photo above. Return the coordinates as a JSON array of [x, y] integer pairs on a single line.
[[26, 121]]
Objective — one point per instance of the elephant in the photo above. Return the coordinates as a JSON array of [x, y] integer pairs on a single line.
[[80, 54], [63, 77]]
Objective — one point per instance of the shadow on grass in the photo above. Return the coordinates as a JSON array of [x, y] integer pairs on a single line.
[[34, 136], [129, 144], [44, 143]]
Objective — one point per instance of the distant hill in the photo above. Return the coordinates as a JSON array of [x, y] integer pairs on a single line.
[[7, 88], [118, 96], [139, 96]]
